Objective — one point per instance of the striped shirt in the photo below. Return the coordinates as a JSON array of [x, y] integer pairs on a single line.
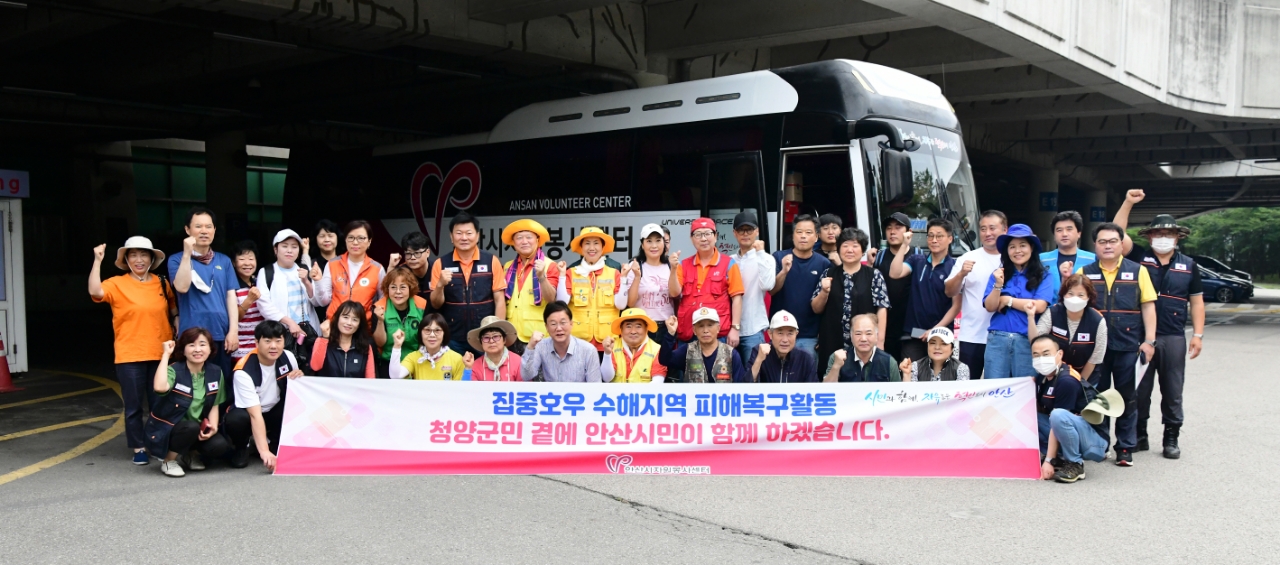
[[580, 364], [247, 324]]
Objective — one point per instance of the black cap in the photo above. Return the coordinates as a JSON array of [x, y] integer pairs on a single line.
[[745, 219], [901, 219]]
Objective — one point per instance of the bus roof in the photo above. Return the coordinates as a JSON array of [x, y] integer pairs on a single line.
[[850, 89]]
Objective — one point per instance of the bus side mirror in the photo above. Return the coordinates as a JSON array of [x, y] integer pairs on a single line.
[[895, 175]]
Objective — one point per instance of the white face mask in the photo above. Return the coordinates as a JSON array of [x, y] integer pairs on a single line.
[[1074, 303], [1163, 244], [1044, 365]]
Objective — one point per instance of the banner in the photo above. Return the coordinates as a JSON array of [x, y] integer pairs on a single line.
[[984, 428]]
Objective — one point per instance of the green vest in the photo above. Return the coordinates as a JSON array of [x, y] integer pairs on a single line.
[[391, 320]]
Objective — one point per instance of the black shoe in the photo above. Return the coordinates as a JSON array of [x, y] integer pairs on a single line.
[[240, 459], [1070, 472], [1057, 463], [1124, 458], [1171, 450], [1143, 444]]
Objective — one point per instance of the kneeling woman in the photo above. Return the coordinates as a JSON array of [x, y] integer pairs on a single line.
[[493, 337], [185, 416], [939, 365], [346, 348], [433, 361]]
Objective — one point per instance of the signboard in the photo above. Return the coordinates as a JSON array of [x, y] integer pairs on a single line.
[[15, 184], [376, 427], [1097, 213], [1048, 202]]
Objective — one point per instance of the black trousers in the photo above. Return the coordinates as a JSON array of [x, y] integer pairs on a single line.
[[1117, 370], [239, 426], [186, 435], [974, 355], [1169, 369]]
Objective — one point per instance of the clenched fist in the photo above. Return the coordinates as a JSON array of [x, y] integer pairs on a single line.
[[393, 261], [1135, 195], [168, 346], [967, 267], [999, 275], [673, 324], [786, 262], [99, 252], [1065, 268], [839, 356], [764, 350], [398, 338], [826, 285], [468, 360], [905, 367], [253, 295], [608, 344]]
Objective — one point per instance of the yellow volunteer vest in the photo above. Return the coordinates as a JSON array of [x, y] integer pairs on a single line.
[[521, 311], [642, 371], [593, 310]]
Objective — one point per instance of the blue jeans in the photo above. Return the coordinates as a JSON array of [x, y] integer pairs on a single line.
[[1077, 440], [809, 344], [137, 390], [1008, 355], [747, 343]]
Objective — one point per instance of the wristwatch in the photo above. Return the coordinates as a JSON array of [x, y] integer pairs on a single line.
[[736, 327], [1152, 343], [1197, 335]]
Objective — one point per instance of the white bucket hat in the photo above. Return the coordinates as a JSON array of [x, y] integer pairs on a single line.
[[138, 242]]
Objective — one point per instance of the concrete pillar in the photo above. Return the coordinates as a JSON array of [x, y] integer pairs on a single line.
[[1095, 213], [226, 185], [1044, 204]]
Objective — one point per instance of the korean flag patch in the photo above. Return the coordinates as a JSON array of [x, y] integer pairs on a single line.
[[1126, 276], [482, 268], [1082, 337], [282, 370], [213, 386]]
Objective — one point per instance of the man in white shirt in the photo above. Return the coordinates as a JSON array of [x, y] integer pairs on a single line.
[[969, 276], [759, 272], [259, 386]]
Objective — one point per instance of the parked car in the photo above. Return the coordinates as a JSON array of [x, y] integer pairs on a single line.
[[1224, 287], [1220, 267]]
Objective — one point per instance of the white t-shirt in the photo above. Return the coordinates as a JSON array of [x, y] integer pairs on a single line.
[[267, 395], [974, 317]]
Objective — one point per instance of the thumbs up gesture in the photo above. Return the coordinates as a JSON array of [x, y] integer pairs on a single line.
[[674, 259]]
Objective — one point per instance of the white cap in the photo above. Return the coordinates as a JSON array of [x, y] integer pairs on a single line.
[[942, 333], [705, 313], [286, 234], [650, 229], [783, 319]]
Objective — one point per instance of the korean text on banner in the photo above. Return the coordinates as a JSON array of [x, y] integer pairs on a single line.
[[952, 429]]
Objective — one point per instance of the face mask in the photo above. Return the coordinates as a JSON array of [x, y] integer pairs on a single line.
[[1163, 244], [1044, 365], [1074, 303]]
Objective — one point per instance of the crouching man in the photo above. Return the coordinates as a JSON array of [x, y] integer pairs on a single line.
[[259, 384], [1070, 425]]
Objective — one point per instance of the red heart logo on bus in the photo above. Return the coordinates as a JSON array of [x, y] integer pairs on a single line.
[[464, 170], [616, 463]]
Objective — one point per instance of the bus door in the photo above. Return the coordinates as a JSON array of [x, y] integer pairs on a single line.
[[734, 182], [822, 180]]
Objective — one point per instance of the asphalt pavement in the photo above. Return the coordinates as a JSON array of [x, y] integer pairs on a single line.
[[1215, 505]]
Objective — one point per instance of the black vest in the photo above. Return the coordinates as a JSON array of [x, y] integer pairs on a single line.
[[1174, 289], [172, 407], [924, 368], [1078, 348], [283, 367], [1121, 305], [466, 303], [831, 328], [346, 364], [877, 371]]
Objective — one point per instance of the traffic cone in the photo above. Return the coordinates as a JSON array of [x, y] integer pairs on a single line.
[[6, 379]]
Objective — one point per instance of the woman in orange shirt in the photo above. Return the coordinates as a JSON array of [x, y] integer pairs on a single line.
[[142, 305]]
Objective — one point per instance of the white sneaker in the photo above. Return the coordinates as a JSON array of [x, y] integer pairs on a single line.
[[172, 469], [193, 461]]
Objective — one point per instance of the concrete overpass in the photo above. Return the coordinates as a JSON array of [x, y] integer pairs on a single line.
[[1067, 102]]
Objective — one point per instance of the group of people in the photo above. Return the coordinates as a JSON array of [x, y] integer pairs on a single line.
[[829, 309]]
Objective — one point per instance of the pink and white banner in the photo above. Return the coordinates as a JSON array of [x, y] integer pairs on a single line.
[[379, 427]]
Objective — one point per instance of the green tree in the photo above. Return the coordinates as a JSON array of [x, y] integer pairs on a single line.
[[1245, 238]]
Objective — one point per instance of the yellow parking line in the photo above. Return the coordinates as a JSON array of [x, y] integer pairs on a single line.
[[16, 435], [55, 397], [106, 435]]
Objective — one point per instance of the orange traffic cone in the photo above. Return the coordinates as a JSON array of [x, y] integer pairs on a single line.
[[6, 380]]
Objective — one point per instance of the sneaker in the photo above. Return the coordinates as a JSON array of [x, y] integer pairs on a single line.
[[1124, 458], [240, 459], [1070, 472], [172, 469], [193, 462], [1057, 463], [141, 457]]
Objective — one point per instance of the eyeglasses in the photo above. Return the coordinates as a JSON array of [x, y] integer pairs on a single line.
[[935, 236], [357, 239], [703, 234], [1108, 242], [413, 254], [433, 331], [492, 338], [556, 325]]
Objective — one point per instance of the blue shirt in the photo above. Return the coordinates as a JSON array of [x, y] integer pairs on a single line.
[[928, 302], [796, 295], [208, 310], [1050, 261], [1013, 320]]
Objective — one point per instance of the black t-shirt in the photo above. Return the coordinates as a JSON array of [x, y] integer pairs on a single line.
[[1063, 258], [1063, 391]]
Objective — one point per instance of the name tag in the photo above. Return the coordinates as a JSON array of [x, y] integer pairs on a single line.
[[1126, 276], [182, 388], [1049, 392], [1182, 266], [482, 268], [1060, 331], [1148, 260], [451, 269], [1082, 337], [1094, 277]]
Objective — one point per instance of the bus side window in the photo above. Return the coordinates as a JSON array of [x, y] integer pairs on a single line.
[[733, 184]]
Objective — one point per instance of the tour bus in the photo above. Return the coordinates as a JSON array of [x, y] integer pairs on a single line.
[[843, 137]]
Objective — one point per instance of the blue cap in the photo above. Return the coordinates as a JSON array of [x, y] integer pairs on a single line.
[[1022, 231]]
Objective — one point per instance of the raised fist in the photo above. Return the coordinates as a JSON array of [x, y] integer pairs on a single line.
[[99, 252], [393, 261], [764, 350], [673, 324], [468, 360], [562, 266], [398, 338], [379, 310], [324, 329], [316, 272], [306, 245], [999, 275], [608, 344], [168, 346], [786, 262], [871, 254], [188, 245], [967, 267], [1065, 268], [534, 339], [839, 356], [253, 295], [1135, 195], [758, 245], [442, 279], [540, 266], [905, 367], [826, 284]]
